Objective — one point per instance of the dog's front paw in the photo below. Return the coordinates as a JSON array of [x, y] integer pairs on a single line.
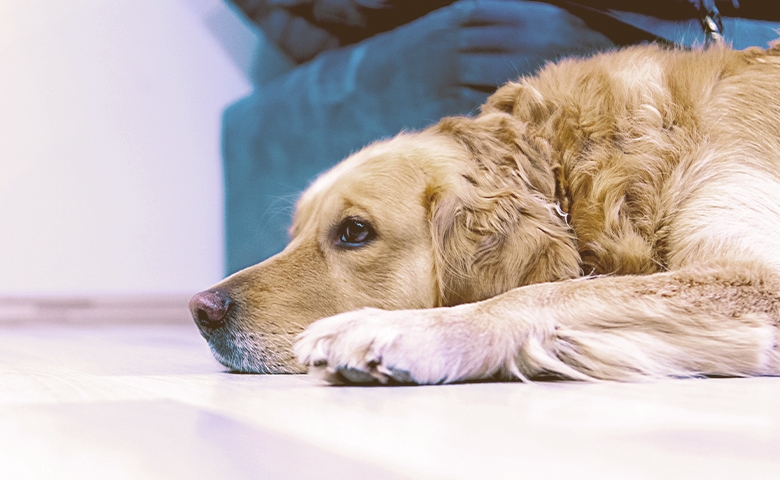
[[371, 345]]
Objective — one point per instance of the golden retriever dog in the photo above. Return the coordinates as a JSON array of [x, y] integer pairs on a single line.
[[612, 218]]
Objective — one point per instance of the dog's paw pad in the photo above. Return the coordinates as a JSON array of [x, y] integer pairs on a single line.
[[375, 375], [400, 376], [353, 375]]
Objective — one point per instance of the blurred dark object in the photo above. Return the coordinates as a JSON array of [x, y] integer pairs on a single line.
[[686, 9], [304, 28]]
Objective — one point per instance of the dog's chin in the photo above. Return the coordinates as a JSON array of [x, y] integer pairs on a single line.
[[246, 353]]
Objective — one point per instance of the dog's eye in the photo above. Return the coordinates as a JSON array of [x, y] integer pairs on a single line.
[[354, 232]]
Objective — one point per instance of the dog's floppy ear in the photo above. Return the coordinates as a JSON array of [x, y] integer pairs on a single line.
[[495, 226]]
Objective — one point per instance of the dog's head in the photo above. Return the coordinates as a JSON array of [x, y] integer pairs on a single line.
[[460, 212]]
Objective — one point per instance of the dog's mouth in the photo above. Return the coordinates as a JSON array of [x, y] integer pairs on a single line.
[[263, 348], [248, 352]]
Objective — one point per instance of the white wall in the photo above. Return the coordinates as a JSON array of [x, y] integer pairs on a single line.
[[110, 169]]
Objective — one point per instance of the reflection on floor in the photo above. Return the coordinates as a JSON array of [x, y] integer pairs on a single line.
[[148, 401]]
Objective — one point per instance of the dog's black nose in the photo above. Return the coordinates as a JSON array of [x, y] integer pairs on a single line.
[[210, 308]]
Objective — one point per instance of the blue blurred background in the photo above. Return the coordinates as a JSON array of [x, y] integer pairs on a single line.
[[359, 70]]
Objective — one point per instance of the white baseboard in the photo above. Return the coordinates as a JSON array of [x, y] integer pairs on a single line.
[[95, 309]]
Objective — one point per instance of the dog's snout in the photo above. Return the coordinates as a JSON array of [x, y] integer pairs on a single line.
[[209, 308]]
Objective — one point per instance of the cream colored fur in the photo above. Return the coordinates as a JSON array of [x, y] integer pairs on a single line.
[[612, 218]]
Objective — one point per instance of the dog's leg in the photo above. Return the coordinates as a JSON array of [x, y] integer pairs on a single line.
[[708, 320]]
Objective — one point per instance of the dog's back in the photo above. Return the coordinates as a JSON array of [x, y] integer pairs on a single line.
[[668, 155]]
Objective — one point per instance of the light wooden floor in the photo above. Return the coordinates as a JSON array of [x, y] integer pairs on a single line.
[[148, 401]]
